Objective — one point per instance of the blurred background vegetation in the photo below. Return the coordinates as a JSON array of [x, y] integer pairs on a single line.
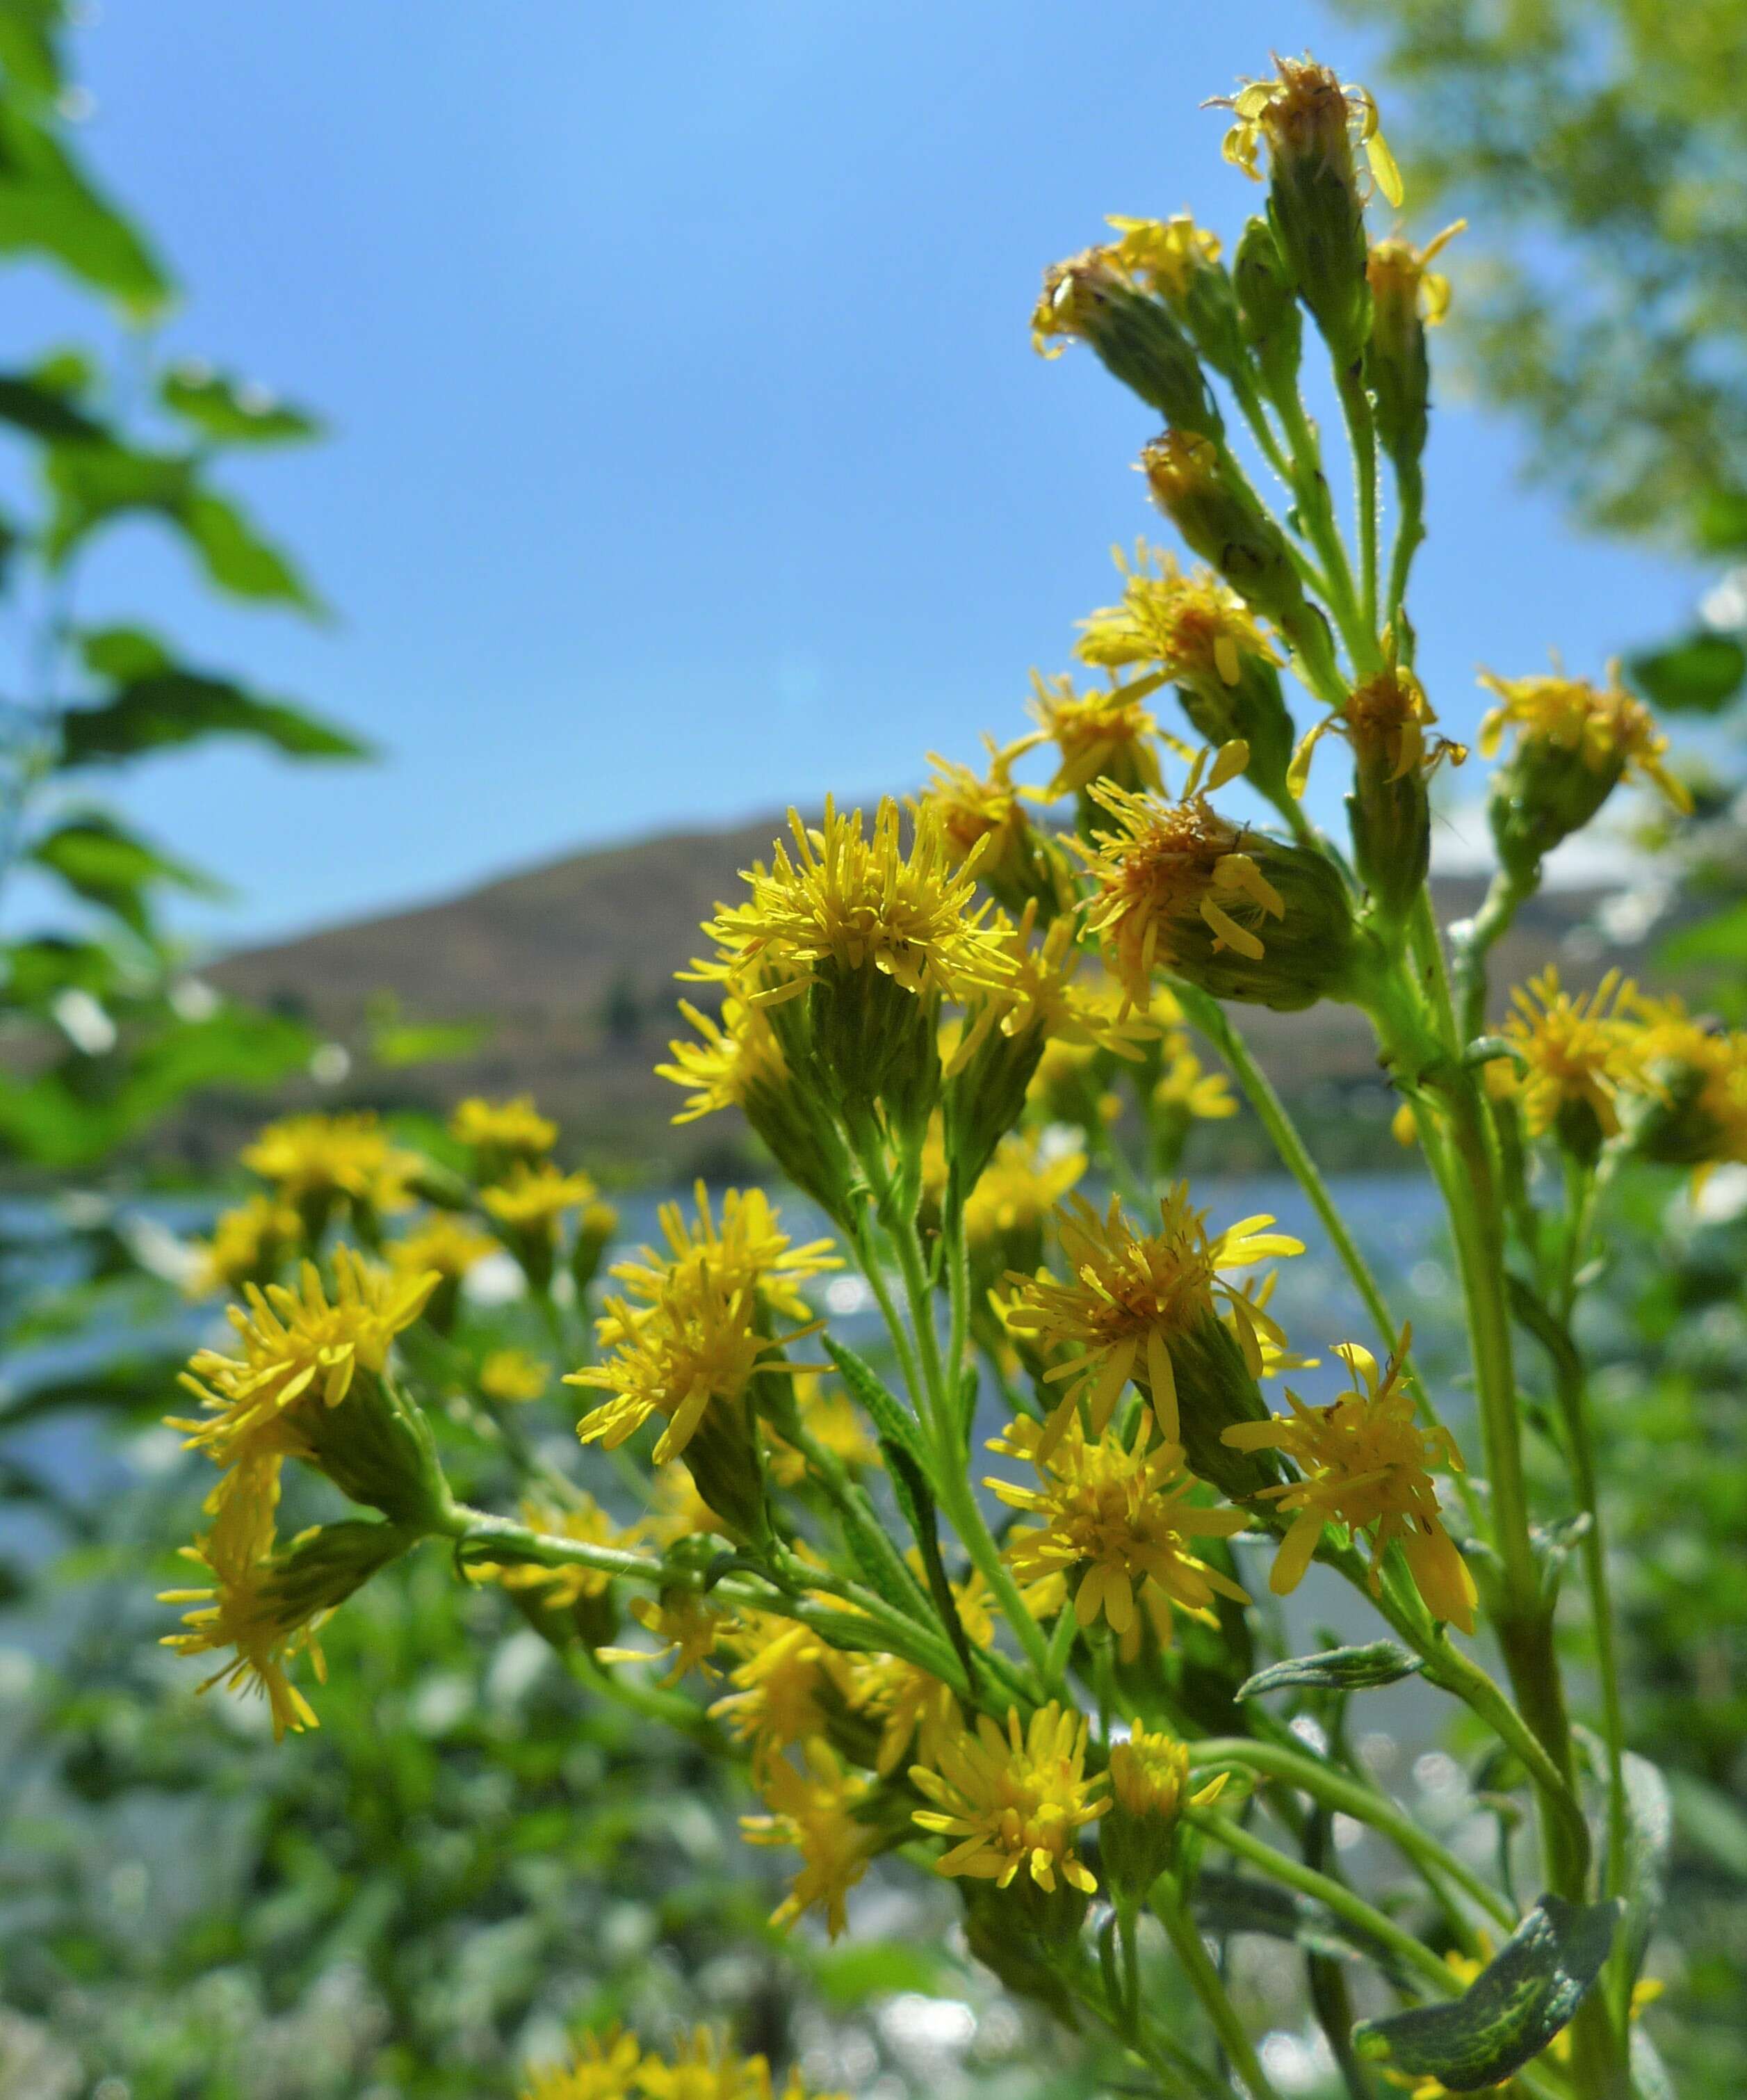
[[477, 1850]]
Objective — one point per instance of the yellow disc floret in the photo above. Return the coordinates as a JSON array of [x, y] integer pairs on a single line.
[[1016, 1801]]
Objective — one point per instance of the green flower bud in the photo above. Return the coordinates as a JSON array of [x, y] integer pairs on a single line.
[[1149, 1788], [1406, 299], [1268, 309], [1091, 297]]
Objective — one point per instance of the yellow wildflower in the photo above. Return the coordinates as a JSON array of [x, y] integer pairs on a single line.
[[1386, 720], [444, 1242], [1019, 1188], [1576, 1051], [848, 902], [1605, 730], [320, 1157], [1193, 627], [1104, 735], [532, 1198], [707, 2069], [914, 1709], [1366, 1464], [1015, 1801], [247, 1246], [1149, 1776], [604, 2067], [244, 1610], [1697, 1077], [989, 818], [1129, 1296], [747, 1252], [1303, 113], [1185, 1087], [1398, 274], [737, 1056], [1166, 866], [299, 1349], [511, 1375], [1120, 1514], [786, 1688], [812, 1810], [515, 1129], [1162, 254], [684, 1627]]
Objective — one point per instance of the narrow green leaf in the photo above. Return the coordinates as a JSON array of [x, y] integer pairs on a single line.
[[1336, 1670], [1511, 2010], [45, 411], [238, 559], [106, 864], [232, 412], [1650, 1831], [1699, 674], [917, 1503], [891, 1418], [171, 708], [48, 206]]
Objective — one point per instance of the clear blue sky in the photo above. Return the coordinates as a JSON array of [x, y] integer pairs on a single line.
[[688, 453]]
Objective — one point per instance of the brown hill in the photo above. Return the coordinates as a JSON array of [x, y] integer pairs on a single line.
[[570, 967]]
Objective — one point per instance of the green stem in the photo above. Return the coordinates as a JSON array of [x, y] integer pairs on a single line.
[[1363, 1917], [1349, 1796], [1209, 1986], [1410, 533], [1361, 431], [1505, 895]]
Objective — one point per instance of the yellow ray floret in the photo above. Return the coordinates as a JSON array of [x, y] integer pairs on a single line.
[[733, 1058], [747, 1250], [1191, 627], [338, 1155], [244, 1610], [851, 902], [1127, 1296], [513, 1126], [246, 1246], [1366, 1463], [1602, 727], [534, 1198], [1398, 272], [1304, 111], [604, 2066], [444, 1242], [1099, 735], [812, 1808], [1116, 1514], [1162, 867], [1582, 1047], [1149, 1776], [1015, 1801]]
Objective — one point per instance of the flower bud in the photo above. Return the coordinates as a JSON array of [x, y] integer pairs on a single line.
[[1386, 720], [1091, 296], [1311, 124], [1018, 864], [1406, 299], [376, 1448], [1268, 309], [1179, 262], [1149, 1788]]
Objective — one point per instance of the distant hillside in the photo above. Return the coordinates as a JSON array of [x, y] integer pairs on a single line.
[[571, 965]]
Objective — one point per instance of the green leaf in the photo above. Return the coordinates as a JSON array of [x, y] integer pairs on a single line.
[[162, 709], [1225, 1902], [911, 1491], [1336, 1670], [877, 1969], [106, 864], [892, 1419], [1649, 1839], [1720, 939], [233, 411], [45, 411], [1698, 675], [49, 207], [238, 559], [1711, 1823], [1511, 2010], [29, 55]]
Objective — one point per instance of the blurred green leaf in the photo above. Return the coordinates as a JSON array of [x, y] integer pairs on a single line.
[[29, 55], [45, 411], [1713, 1825], [1721, 938], [168, 708], [233, 411], [103, 862], [878, 1969], [1650, 1828], [1699, 675], [49, 207], [1338, 1669], [1511, 2010], [396, 1044], [33, 971], [238, 559]]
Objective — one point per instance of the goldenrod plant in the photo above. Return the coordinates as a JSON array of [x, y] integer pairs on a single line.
[[973, 1034]]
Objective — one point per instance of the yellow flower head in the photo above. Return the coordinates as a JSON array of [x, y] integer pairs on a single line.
[[1366, 1462], [914, 1709], [974, 809], [247, 1246], [812, 1809], [684, 1627], [849, 902], [1119, 1513], [1698, 1078], [1386, 720], [1129, 1295], [1015, 1801], [1193, 627], [604, 2067], [1164, 867], [736, 1057], [532, 1198], [1039, 997], [246, 1610], [1185, 1087], [444, 1242], [510, 1376], [1159, 256], [706, 2068], [321, 1158], [583, 1520], [1019, 1188], [1306, 115], [747, 1252], [699, 1341], [786, 1688], [299, 1349], [1099, 735], [1575, 1050], [515, 1128], [1163, 254], [1399, 275], [1149, 1776], [1602, 728]]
